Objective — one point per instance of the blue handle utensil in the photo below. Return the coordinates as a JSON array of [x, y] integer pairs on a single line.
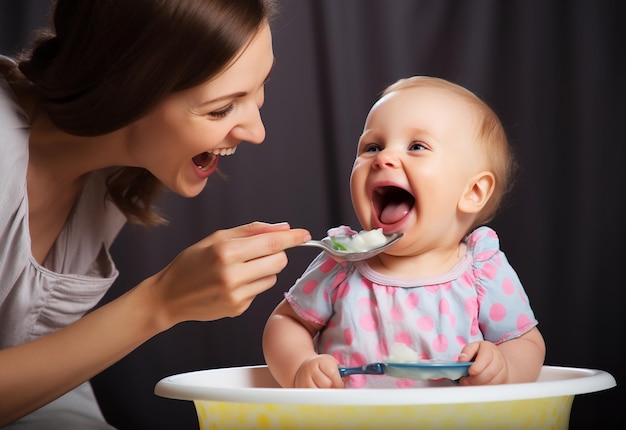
[[423, 370]]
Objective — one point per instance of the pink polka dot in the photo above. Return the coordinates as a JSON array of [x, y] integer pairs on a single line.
[[472, 241], [382, 350], [411, 301], [403, 337], [328, 265], [452, 320], [384, 289], [474, 329], [348, 336], [357, 359], [461, 341], [497, 312], [481, 294], [440, 343], [395, 313], [365, 302], [358, 381], [309, 287], [507, 286], [338, 279], [342, 290], [523, 322], [489, 270], [368, 323], [467, 280], [444, 307], [425, 323], [523, 295], [432, 289], [497, 260], [471, 307], [405, 383], [481, 327], [483, 256]]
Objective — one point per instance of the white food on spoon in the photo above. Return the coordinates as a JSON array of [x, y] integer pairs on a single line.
[[362, 241]]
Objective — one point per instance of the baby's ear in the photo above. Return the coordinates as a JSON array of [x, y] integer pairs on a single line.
[[477, 192]]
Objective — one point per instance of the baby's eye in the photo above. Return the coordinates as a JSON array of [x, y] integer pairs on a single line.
[[222, 112], [417, 146], [371, 147]]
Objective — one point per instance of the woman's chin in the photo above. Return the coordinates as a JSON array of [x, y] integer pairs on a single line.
[[189, 188]]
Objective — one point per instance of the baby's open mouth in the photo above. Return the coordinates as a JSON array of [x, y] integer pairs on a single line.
[[206, 160], [392, 203]]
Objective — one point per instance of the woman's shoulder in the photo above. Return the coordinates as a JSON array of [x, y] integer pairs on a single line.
[[14, 135], [10, 115]]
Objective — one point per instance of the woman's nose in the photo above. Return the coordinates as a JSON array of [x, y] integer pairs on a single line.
[[252, 130]]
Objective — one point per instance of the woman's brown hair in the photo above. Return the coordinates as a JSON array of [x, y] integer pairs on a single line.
[[105, 63]]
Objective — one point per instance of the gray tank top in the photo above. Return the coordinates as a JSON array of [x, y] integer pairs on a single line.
[[39, 299]]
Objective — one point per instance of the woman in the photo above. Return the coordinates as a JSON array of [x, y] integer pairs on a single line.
[[116, 101]]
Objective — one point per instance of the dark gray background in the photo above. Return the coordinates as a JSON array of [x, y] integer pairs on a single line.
[[554, 73]]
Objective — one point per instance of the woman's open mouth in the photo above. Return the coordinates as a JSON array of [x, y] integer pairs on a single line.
[[392, 203], [206, 162]]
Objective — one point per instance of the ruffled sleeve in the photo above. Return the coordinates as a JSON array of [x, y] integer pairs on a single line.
[[504, 307], [312, 295]]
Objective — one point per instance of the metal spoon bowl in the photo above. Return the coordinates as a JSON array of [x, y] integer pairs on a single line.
[[339, 255]]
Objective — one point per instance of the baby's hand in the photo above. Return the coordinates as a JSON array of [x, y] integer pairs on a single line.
[[490, 366], [320, 371]]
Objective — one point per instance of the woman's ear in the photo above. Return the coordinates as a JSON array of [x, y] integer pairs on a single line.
[[478, 191]]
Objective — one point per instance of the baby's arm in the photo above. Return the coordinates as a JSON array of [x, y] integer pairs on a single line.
[[516, 360], [290, 352]]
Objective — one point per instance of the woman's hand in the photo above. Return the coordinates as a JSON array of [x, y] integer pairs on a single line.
[[220, 275]]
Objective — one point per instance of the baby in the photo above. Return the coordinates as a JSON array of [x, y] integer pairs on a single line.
[[433, 162]]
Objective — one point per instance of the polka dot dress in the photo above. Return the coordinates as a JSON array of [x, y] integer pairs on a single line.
[[364, 313]]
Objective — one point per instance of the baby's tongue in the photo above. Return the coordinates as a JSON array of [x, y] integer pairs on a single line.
[[394, 212]]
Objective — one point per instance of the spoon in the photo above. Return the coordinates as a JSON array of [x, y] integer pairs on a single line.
[[339, 255], [427, 369]]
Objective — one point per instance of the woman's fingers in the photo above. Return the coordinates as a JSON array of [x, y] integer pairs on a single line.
[[262, 243], [221, 275], [247, 230]]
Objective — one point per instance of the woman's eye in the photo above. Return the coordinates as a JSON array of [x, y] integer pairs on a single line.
[[222, 112]]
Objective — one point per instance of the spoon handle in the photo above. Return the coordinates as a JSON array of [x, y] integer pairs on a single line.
[[368, 369], [314, 243]]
